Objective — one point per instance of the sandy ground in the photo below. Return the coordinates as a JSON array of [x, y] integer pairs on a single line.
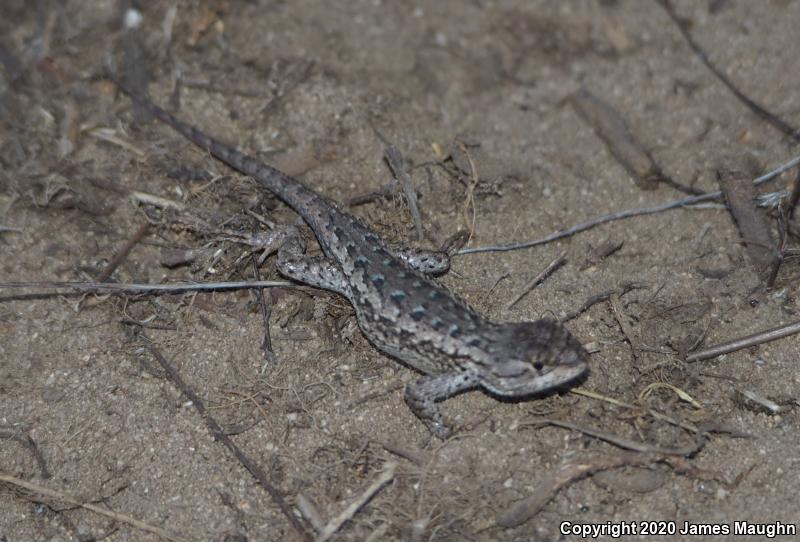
[[316, 91]]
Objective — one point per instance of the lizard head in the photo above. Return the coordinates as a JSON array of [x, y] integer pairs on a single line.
[[532, 357]]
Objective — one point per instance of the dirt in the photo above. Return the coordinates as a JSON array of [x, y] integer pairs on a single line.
[[320, 91]]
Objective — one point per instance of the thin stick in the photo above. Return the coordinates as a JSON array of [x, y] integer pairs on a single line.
[[120, 256], [611, 128], [255, 470], [746, 342], [759, 110], [555, 264], [336, 523], [416, 456], [134, 288], [627, 213], [628, 444], [657, 415], [565, 474], [625, 325], [599, 298], [266, 313], [116, 516]]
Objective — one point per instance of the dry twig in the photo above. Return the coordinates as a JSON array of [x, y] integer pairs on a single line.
[[628, 444], [133, 288], [525, 509], [116, 516], [266, 313], [627, 213], [220, 436], [645, 455], [746, 342], [609, 126], [387, 474], [120, 256], [599, 298], [759, 110], [655, 414], [543, 274], [751, 222], [600, 252], [626, 326]]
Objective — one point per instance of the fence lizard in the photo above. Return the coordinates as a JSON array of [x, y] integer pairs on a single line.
[[400, 308]]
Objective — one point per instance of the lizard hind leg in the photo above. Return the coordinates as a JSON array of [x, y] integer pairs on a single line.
[[316, 271]]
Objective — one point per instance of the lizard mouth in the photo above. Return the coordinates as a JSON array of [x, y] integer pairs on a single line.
[[528, 385], [564, 373]]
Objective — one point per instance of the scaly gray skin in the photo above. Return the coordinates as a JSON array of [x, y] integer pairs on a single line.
[[399, 308]]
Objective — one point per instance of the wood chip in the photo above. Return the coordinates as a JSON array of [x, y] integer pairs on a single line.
[[737, 187], [609, 126]]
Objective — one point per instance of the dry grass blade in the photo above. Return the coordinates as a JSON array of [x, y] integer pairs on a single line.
[[663, 385], [470, 212], [398, 166], [110, 136]]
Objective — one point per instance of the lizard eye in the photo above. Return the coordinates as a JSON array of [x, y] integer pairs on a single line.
[[538, 365]]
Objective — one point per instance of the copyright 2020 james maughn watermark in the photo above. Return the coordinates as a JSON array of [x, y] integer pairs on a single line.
[[619, 529]]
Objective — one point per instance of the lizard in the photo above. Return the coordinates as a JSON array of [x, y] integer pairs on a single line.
[[399, 305]]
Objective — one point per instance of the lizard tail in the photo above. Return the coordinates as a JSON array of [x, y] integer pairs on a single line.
[[293, 192]]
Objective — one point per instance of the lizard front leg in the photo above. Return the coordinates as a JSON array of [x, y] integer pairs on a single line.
[[422, 396]]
